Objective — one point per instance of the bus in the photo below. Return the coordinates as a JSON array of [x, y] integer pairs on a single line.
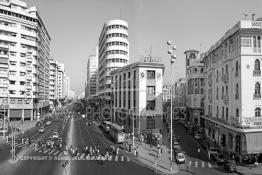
[[116, 132], [106, 125]]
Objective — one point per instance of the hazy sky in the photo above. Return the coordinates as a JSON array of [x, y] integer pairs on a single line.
[[75, 25]]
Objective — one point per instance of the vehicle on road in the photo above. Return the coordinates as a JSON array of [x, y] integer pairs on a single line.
[[55, 135], [116, 132], [198, 136], [41, 129], [180, 158], [218, 158], [48, 123], [230, 166], [106, 125]]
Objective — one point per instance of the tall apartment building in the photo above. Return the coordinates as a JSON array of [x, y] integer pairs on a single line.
[[24, 61], [91, 84], [66, 86], [195, 86], [53, 82], [233, 89], [113, 53], [137, 91], [60, 80]]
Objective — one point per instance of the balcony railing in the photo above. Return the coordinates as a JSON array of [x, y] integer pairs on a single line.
[[257, 96], [256, 73]]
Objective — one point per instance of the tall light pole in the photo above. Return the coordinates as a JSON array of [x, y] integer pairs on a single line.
[[171, 50]]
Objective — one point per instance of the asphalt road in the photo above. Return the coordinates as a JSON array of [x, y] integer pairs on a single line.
[[26, 166], [90, 136], [197, 163]]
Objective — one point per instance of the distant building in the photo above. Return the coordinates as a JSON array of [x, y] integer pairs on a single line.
[[166, 93], [195, 86], [232, 114], [91, 84], [137, 91], [66, 87], [180, 95]]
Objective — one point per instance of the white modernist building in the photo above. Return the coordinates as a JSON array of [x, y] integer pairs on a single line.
[[137, 91], [233, 89], [24, 61], [66, 87], [113, 53]]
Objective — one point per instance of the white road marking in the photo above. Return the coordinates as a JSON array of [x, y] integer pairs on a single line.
[[56, 153], [51, 151], [209, 165], [196, 164], [47, 150]]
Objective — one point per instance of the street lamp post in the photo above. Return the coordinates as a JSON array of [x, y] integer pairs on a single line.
[[172, 60]]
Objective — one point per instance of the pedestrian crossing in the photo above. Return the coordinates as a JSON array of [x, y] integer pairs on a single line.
[[198, 164], [79, 156]]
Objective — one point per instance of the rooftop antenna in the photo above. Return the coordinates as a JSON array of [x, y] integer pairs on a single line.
[[150, 54], [245, 15], [120, 14]]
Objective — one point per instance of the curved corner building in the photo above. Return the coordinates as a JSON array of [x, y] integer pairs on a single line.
[[113, 53]]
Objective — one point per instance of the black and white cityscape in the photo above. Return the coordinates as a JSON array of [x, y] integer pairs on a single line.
[[148, 87]]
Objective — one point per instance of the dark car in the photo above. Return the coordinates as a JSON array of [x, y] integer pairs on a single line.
[[230, 166], [218, 158]]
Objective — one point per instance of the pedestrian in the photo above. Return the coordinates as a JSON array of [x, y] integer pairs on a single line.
[[156, 165], [256, 163]]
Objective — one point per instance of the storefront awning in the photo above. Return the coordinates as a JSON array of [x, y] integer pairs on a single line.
[[254, 142]]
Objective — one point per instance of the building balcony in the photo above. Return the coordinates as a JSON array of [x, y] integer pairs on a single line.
[[2, 55], [256, 73], [226, 100], [4, 75], [257, 96], [4, 46], [257, 50], [28, 77], [28, 86], [3, 84]]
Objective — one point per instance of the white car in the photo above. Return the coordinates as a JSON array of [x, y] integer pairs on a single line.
[[41, 130], [197, 136], [55, 135], [48, 123], [180, 158]]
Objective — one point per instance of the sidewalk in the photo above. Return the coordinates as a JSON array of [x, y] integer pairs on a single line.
[[250, 169], [147, 156]]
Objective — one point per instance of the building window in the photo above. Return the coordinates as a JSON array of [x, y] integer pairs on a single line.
[[237, 112], [150, 122], [12, 82], [257, 88], [150, 105], [19, 101], [246, 41], [257, 71], [223, 112], [237, 92], [150, 90], [12, 101], [226, 114], [217, 94], [258, 112], [150, 74]]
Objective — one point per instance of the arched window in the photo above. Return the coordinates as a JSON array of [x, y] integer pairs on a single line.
[[257, 64], [236, 66], [237, 112], [257, 88], [258, 112]]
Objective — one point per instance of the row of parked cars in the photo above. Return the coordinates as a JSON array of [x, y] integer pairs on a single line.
[[178, 153], [215, 154]]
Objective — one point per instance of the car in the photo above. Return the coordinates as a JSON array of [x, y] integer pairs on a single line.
[[48, 123], [230, 166], [180, 158], [41, 129], [197, 136], [55, 135], [218, 158]]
